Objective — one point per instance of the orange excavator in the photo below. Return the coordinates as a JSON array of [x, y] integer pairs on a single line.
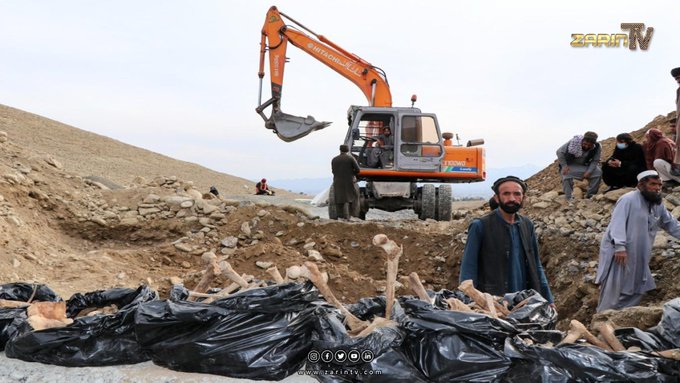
[[400, 168]]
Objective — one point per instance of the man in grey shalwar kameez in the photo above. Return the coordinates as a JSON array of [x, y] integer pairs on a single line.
[[580, 158], [626, 248]]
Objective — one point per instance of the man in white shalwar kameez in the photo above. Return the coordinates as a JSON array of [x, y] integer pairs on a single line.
[[626, 248]]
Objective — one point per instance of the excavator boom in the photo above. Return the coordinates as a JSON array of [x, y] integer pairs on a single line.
[[275, 38]]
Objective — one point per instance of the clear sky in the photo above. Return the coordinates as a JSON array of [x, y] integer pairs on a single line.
[[180, 77]]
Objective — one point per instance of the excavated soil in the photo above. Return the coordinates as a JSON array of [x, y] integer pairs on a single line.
[[70, 231]]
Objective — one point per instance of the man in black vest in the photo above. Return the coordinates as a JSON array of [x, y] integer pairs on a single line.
[[501, 254]]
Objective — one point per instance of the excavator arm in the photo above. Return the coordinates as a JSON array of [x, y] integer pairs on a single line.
[[275, 37]]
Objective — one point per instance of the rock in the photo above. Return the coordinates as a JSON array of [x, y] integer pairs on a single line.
[[3, 136], [333, 251], [245, 228], [300, 224], [263, 265], [614, 195], [294, 272], [176, 281], [208, 208], [262, 213], [147, 211], [208, 256], [186, 204], [279, 233], [660, 242], [549, 196], [99, 221], [186, 265], [195, 194], [16, 263], [636, 316], [151, 199], [121, 275], [54, 163], [204, 221], [184, 247], [309, 245], [229, 242], [314, 255], [541, 205], [673, 199], [228, 251]]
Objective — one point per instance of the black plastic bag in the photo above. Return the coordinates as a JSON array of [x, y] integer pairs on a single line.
[[262, 333], [646, 341], [98, 340], [376, 357], [536, 314], [455, 346], [669, 326], [574, 362], [21, 292]]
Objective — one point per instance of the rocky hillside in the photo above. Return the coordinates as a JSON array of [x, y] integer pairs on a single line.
[[90, 154]]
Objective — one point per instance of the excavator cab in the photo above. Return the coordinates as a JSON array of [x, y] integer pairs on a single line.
[[387, 141]]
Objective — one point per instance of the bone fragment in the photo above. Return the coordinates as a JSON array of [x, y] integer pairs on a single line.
[[211, 271], [577, 331], [607, 333], [490, 305], [418, 288], [469, 289], [355, 324], [230, 273], [393, 253], [456, 305], [8, 304], [276, 276]]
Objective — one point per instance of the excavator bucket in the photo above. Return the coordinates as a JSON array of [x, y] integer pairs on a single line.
[[290, 128]]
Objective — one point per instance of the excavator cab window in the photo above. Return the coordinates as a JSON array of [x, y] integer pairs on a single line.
[[419, 137], [365, 135]]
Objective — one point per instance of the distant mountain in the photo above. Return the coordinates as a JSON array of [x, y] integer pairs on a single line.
[[313, 186]]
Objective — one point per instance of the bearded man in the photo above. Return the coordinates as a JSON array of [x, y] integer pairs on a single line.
[[501, 253], [623, 272]]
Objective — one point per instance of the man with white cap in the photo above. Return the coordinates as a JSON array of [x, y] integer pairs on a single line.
[[626, 248]]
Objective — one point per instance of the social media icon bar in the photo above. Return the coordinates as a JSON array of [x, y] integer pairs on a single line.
[[353, 356], [313, 356]]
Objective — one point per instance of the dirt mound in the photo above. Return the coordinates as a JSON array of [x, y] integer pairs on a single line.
[[76, 234]]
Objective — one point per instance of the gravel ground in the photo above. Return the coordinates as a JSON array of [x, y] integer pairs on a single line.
[[18, 371], [322, 212]]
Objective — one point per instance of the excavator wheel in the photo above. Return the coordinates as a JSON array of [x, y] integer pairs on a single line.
[[332, 207], [428, 201], [443, 212]]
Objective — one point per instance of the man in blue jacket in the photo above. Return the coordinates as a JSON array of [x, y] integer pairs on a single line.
[[501, 254]]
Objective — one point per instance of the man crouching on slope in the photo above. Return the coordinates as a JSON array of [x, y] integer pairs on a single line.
[[626, 248], [501, 254]]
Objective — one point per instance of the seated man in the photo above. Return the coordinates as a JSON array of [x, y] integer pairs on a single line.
[[386, 143], [659, 155], [579, 158], [627, 161], [261, 188]]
